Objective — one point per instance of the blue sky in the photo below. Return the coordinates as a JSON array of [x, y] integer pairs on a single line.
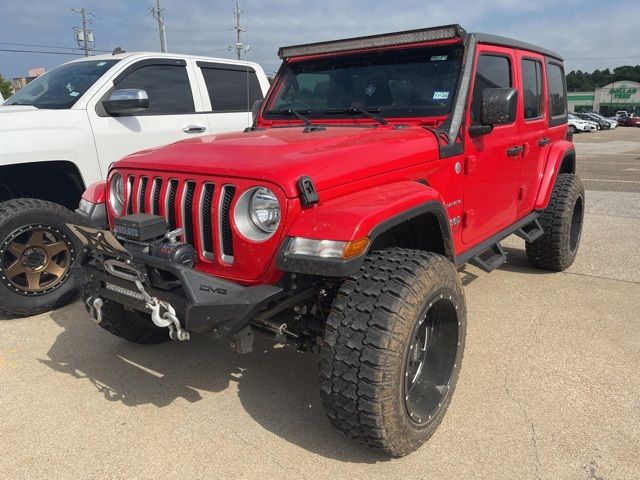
[[590, 34]]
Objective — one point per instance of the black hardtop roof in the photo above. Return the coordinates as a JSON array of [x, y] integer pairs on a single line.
[[407, 37], [513, 43]]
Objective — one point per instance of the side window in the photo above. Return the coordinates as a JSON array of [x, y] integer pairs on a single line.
[[532, 88], [231, 90], [493, 71], [167, 86], [557, 91]]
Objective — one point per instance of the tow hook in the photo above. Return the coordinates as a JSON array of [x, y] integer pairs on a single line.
[[94, 305], [167, 319]]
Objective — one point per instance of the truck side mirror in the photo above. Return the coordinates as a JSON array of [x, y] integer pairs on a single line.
[[255, 109], [128, 101], [498, 106]]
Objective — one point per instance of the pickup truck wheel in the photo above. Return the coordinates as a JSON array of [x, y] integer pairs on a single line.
[[392, 349], [36, 254], [562, 223], [131, 325]]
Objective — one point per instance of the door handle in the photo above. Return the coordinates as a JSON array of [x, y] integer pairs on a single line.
[[515, 151], [194, 129], [544, 141]]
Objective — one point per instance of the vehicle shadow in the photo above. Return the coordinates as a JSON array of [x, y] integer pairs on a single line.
[[517, 261], [277, 387]]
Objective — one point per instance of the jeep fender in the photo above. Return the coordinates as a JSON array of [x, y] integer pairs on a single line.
[[367, 213], [561, 159]]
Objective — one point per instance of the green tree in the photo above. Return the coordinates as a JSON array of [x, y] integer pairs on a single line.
[[5, 87]]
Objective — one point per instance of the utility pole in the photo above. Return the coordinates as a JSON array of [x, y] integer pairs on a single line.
[[158, 13], [237, 12], [84, 36]]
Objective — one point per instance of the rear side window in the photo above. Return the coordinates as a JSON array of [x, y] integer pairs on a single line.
[[557, 92], [167, 86], [532, 88], [231, 90], [493, 71]]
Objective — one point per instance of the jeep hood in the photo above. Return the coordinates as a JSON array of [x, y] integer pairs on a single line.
[[331, 157]]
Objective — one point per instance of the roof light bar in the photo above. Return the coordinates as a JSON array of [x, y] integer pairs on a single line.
[[375, 41]]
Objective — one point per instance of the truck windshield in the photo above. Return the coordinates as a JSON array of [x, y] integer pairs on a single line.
[[413, 82], [63, 86]]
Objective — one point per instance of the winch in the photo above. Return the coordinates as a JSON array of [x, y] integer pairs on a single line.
[[150, 234]]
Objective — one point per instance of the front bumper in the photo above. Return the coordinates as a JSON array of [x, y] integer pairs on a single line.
[[203, 303]]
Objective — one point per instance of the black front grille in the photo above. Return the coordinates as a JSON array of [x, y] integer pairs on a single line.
[[130, 181], [155, 203], [207, 217], [225, 221], [171, 204], [143, 195], [187, 212]]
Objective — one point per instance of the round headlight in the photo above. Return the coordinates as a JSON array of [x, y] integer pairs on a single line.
[[264, 210], [116, 194]]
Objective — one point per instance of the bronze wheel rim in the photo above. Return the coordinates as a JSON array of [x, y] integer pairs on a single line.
[[35, 259]]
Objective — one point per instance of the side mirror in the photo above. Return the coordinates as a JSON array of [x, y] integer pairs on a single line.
[[255, 109], [498, 106], [128, 101]]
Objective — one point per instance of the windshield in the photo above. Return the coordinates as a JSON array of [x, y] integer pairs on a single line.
[[63, 86], [417, 82]]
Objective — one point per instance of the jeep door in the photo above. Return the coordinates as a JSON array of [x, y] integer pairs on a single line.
[[175, 110], [229, 92], [533, 122], [493, 171]]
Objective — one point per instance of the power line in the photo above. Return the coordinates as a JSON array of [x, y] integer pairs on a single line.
[[40, 51], [48, 46]]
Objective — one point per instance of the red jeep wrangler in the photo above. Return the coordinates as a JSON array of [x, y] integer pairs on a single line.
[[377, 166]]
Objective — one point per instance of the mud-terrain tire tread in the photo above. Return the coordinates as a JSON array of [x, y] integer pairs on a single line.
[[131, 325], [13, 305], [363, 351], [550, 251]]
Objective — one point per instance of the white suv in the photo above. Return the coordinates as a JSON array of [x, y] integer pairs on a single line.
[[61, 132]]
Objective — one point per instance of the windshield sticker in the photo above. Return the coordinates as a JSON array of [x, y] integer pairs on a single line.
[[438, 58], [370, 90], [100, 64], [440, 95], [74, 94]]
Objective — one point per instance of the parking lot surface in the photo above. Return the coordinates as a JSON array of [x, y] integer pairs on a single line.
[[549, 388]]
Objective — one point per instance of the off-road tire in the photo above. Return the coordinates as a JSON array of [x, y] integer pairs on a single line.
[[15, 214], [572, 130], [131, 325], [562, 223], [366, 343]]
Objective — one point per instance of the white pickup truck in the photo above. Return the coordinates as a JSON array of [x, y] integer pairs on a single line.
[[61, 132]]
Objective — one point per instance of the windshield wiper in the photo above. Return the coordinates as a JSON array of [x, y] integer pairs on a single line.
[[369, 113], [291, 111]]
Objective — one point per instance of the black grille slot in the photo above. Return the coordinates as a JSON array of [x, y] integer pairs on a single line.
[[225, 222], [130, 181], [206, 214], [157, 188], [187, 211], [171, 204], [143, 195]]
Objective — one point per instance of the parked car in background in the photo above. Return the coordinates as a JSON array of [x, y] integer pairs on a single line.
[[601, 125], [630, 121], [622, 113], [577, 125], [613, 123], [62, 131]]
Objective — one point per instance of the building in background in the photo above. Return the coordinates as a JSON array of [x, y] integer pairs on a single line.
[[607, 100], [19, 82]]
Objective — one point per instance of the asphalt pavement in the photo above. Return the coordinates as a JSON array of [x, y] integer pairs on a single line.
[[549, 387]]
